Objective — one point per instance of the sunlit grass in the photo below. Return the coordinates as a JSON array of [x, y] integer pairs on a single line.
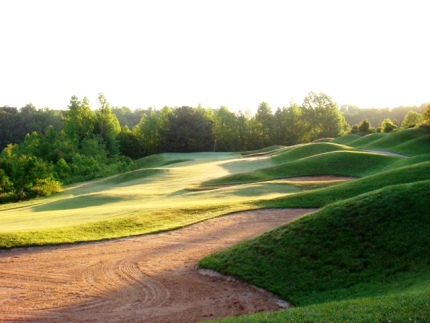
[[410, 142], [340, 163], [307, 150], [362, 257], [325, 196], [142, 201]]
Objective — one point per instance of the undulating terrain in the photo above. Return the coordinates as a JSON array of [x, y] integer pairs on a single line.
[[364, 255]]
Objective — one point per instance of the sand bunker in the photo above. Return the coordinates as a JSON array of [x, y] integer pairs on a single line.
[[152, 278]]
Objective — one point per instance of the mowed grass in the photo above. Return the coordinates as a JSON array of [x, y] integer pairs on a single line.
[[364, 259], [410, 142], [147, 200], [306, 150], [339, 163], [324, 196], [169, 186]]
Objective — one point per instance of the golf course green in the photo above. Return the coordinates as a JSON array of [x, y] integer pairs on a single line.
[[363, 257]]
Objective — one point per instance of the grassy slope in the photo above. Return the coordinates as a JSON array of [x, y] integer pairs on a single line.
[[339, 192], [301, 151], [410, 142], [167, 193], [142, 201], [364, 258], [341, 163], [370, 251], [335, 158]]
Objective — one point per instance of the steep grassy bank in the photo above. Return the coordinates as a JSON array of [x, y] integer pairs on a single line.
[[369, 252]]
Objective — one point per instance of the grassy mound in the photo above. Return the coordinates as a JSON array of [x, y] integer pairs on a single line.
[[323, 140], [306, 150], [339, 192], [342, 163], [262, 152], [410, 142], [346, 139], [371, 246]]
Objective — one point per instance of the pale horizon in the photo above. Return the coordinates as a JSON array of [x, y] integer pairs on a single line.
[[238, 54]]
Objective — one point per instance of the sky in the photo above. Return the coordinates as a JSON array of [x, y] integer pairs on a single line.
[[236, 53]]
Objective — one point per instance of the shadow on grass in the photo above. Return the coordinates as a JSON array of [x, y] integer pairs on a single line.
[[78, 202]]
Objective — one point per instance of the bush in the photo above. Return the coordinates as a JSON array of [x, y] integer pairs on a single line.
[[45, 187]]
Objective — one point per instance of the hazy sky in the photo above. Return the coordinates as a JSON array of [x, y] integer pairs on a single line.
[[234, 53]]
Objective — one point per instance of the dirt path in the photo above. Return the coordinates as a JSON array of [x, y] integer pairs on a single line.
[[151, 278]]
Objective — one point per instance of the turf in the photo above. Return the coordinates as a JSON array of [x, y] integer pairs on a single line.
[[363, 257], [341, 191], [340, 163], [307, 150], [410, 142], [366, 251], [143, 201]]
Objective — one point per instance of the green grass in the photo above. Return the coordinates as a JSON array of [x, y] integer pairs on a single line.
[[143, 201], [411, 305], [363, 257], [410, 142], [262, 152], [363, 141], [306, 150], [371, 249], [346, 139], [340, 163], [323, 140], [341, 191], [136, 223]]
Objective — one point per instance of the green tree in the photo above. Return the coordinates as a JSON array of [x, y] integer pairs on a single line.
[[323, 117], [188, 130], [255, 134], [6, 186], [290, 126], [79, 120], [29, 108], [107, 125], [148, 133], [387, 125], [412, 119], [364, 126], [129, 144], [243, 130], [225, 130], [426, 115], [25, 175], [264, 121], [163, 126]]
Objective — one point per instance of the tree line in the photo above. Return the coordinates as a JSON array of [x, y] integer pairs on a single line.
[[82, 143]]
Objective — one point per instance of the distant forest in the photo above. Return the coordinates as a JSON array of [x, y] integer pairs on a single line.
[[44, 148]]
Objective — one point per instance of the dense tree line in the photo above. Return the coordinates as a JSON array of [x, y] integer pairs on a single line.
[[85, 148], [15, 124], [355, 115], [187, 129], [44, 148]]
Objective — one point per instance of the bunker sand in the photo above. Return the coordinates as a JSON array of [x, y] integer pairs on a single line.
[[152, 278]]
